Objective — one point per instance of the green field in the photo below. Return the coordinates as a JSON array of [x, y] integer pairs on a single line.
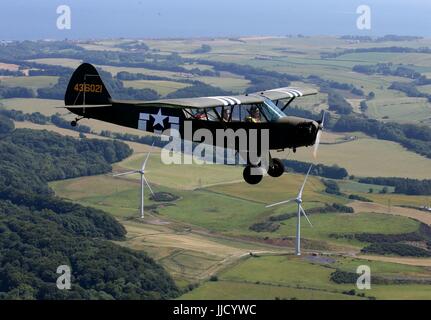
[[234, 84], [419, 59], [33, 83], [184, 176], [121, 198], [339, 223], [282, 188], [45, 106], [70, 63], [232, 290], [370, 157], [288, 277], [231, 209], [150, 72], [199, 66], [350, 186], [398, 199], [161, 87], [399, 109]]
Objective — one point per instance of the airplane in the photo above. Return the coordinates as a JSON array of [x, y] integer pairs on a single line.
[[87, 97]]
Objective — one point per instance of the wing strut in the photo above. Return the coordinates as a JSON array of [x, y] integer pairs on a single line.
[[287, 103]]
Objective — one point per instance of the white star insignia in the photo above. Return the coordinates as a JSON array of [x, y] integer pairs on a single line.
[[158, 118]]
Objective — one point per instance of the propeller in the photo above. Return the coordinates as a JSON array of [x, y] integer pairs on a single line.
[[319, 135]]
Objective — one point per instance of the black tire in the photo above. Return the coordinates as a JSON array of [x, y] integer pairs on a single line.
[[249, 178], [277, 168], [73, 123]]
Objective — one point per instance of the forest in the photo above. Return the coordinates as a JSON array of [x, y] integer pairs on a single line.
[[39, 232]]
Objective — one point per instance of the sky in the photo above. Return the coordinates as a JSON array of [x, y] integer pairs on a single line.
[[31, 20]]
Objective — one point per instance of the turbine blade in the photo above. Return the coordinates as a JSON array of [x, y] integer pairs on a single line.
[[305, 215], [124, 173], [148, 185], [303, 185], [278, 203], [146, 159]]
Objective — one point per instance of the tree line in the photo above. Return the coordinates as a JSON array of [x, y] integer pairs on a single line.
[[415, 138], [39, 232], [409, 89], [393, 49], [402, 185], [321, 170]]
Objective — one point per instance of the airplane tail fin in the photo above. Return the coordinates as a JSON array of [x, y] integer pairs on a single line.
[[86, 88]]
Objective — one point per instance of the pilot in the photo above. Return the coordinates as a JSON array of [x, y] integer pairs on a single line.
[[200, 115], [226, 115], [254, 115]]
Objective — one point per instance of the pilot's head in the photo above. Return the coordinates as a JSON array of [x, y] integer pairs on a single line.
[[254, 111], [226, 113]]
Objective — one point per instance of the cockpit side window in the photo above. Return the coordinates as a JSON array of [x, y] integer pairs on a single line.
[[257, 113], [271, 112], [197, 114]]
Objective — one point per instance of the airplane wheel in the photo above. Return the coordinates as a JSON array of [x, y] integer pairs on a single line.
[[277, 168], [249, 178], [73, 123]]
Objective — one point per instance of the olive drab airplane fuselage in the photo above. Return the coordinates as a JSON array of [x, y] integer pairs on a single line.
[[87, 97]]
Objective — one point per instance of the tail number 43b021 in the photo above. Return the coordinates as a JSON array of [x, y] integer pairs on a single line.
[[86, 87]]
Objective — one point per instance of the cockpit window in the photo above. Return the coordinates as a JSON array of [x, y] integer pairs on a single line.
[[266, 111], [270, 111]]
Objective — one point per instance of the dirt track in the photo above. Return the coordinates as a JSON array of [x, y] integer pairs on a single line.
[[424, 262], [422, 216]]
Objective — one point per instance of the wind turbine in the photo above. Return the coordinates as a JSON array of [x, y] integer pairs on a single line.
[[301, 210], [143, 181]]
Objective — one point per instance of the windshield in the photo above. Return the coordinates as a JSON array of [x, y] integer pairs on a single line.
[[271, 112]]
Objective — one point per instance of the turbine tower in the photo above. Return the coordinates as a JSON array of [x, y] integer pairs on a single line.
[[143, 181], [301, 210]]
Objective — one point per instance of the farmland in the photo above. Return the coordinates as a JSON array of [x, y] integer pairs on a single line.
[[288, 277], [205, 234]]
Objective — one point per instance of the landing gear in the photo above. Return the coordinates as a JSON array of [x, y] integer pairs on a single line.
[[74, 123], [276, 169], [250, 178]]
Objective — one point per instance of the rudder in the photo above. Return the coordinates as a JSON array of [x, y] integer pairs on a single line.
[[86, 88]]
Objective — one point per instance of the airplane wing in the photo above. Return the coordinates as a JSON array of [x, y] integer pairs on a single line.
[[219, 101], [287, 93], [202, 102]]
